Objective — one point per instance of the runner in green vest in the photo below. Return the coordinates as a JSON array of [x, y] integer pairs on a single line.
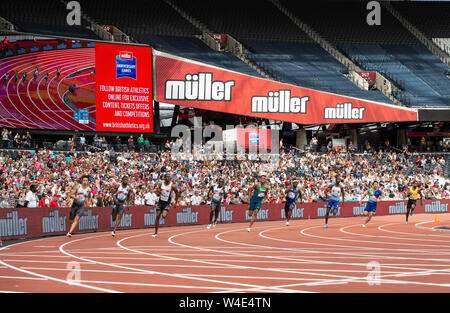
[[259, 192]]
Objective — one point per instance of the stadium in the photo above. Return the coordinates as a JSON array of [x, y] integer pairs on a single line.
[[257, 146]]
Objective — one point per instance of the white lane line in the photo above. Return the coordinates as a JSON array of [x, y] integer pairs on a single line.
[[72, 283], [198, 261]]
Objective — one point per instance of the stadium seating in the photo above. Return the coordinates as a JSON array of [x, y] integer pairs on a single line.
[[251, 19], [42, 17], [418, 72], [194, 48], [139, 17], [159, 25], [345, 22], [431, 17], [307, 65]]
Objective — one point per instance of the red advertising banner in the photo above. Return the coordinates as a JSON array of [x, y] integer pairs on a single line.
[[37, 222], [108, 28], [220, 38], [254, 137], [123, 88], [188, 83], [371, 77]]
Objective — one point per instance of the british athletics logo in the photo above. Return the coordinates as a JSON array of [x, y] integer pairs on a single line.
[[126, 65]]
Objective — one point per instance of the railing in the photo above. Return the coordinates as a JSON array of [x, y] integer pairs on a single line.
[[6, 25]]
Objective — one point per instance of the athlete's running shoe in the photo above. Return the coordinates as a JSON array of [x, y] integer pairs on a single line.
[[326, 226], [209, 226], [406, 222], [248, 229], [363, 225], [113, 233], [155, 235], [214, 225], [69, 235], [287, 223], [411, 213]]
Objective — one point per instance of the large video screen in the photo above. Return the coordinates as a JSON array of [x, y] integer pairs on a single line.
[[57, 84]]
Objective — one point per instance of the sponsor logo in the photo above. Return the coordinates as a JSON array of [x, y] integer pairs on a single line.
[[344, 111], [436, 206], [199, 87], [279, 102], [224, 215], [53, 223], [88, 221], [150, 218], [12, 225], [323, 211], [359, 210], [124, 222], [187, 217], [296, 213], [262, 214], [126, 65], [399, 207]]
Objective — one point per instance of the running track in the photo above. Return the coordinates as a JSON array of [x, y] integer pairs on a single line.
[[303, 257]]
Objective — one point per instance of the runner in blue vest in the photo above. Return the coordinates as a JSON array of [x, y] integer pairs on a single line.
[[259, 192], [374, 195], [292, 195], [335, 191]]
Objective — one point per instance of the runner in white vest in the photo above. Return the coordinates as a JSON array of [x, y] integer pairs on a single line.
[[217, 198], [81, 196], [165, 190], [121, 196]]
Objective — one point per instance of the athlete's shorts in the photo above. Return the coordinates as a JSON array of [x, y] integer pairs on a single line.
[[371, 207], [118, 208], [289, 206], [77, 209], [333, 204], [163, 205], [215, 205], [410, 203], [255, 205]]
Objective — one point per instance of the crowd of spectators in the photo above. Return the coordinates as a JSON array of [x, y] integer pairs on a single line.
[[9, 140], [55, 174]]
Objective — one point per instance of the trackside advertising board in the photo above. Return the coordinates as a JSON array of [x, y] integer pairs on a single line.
[[37, 222], [188, 83]]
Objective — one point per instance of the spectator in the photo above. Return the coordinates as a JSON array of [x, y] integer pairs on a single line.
[[196, 198], [45, 201], [314, 143], [5, 138], [54, 203], [31, 199], [131, 143], [140, 142]]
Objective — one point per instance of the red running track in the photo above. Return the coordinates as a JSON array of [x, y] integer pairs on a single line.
[[302, 257]]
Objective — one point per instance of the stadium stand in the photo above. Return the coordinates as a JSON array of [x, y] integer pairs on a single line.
[[419, 74], [42, 17], [345, 22], [307, 65], [159, 25], [196, 49], [248, 22], [420, 13], [387, 48]]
